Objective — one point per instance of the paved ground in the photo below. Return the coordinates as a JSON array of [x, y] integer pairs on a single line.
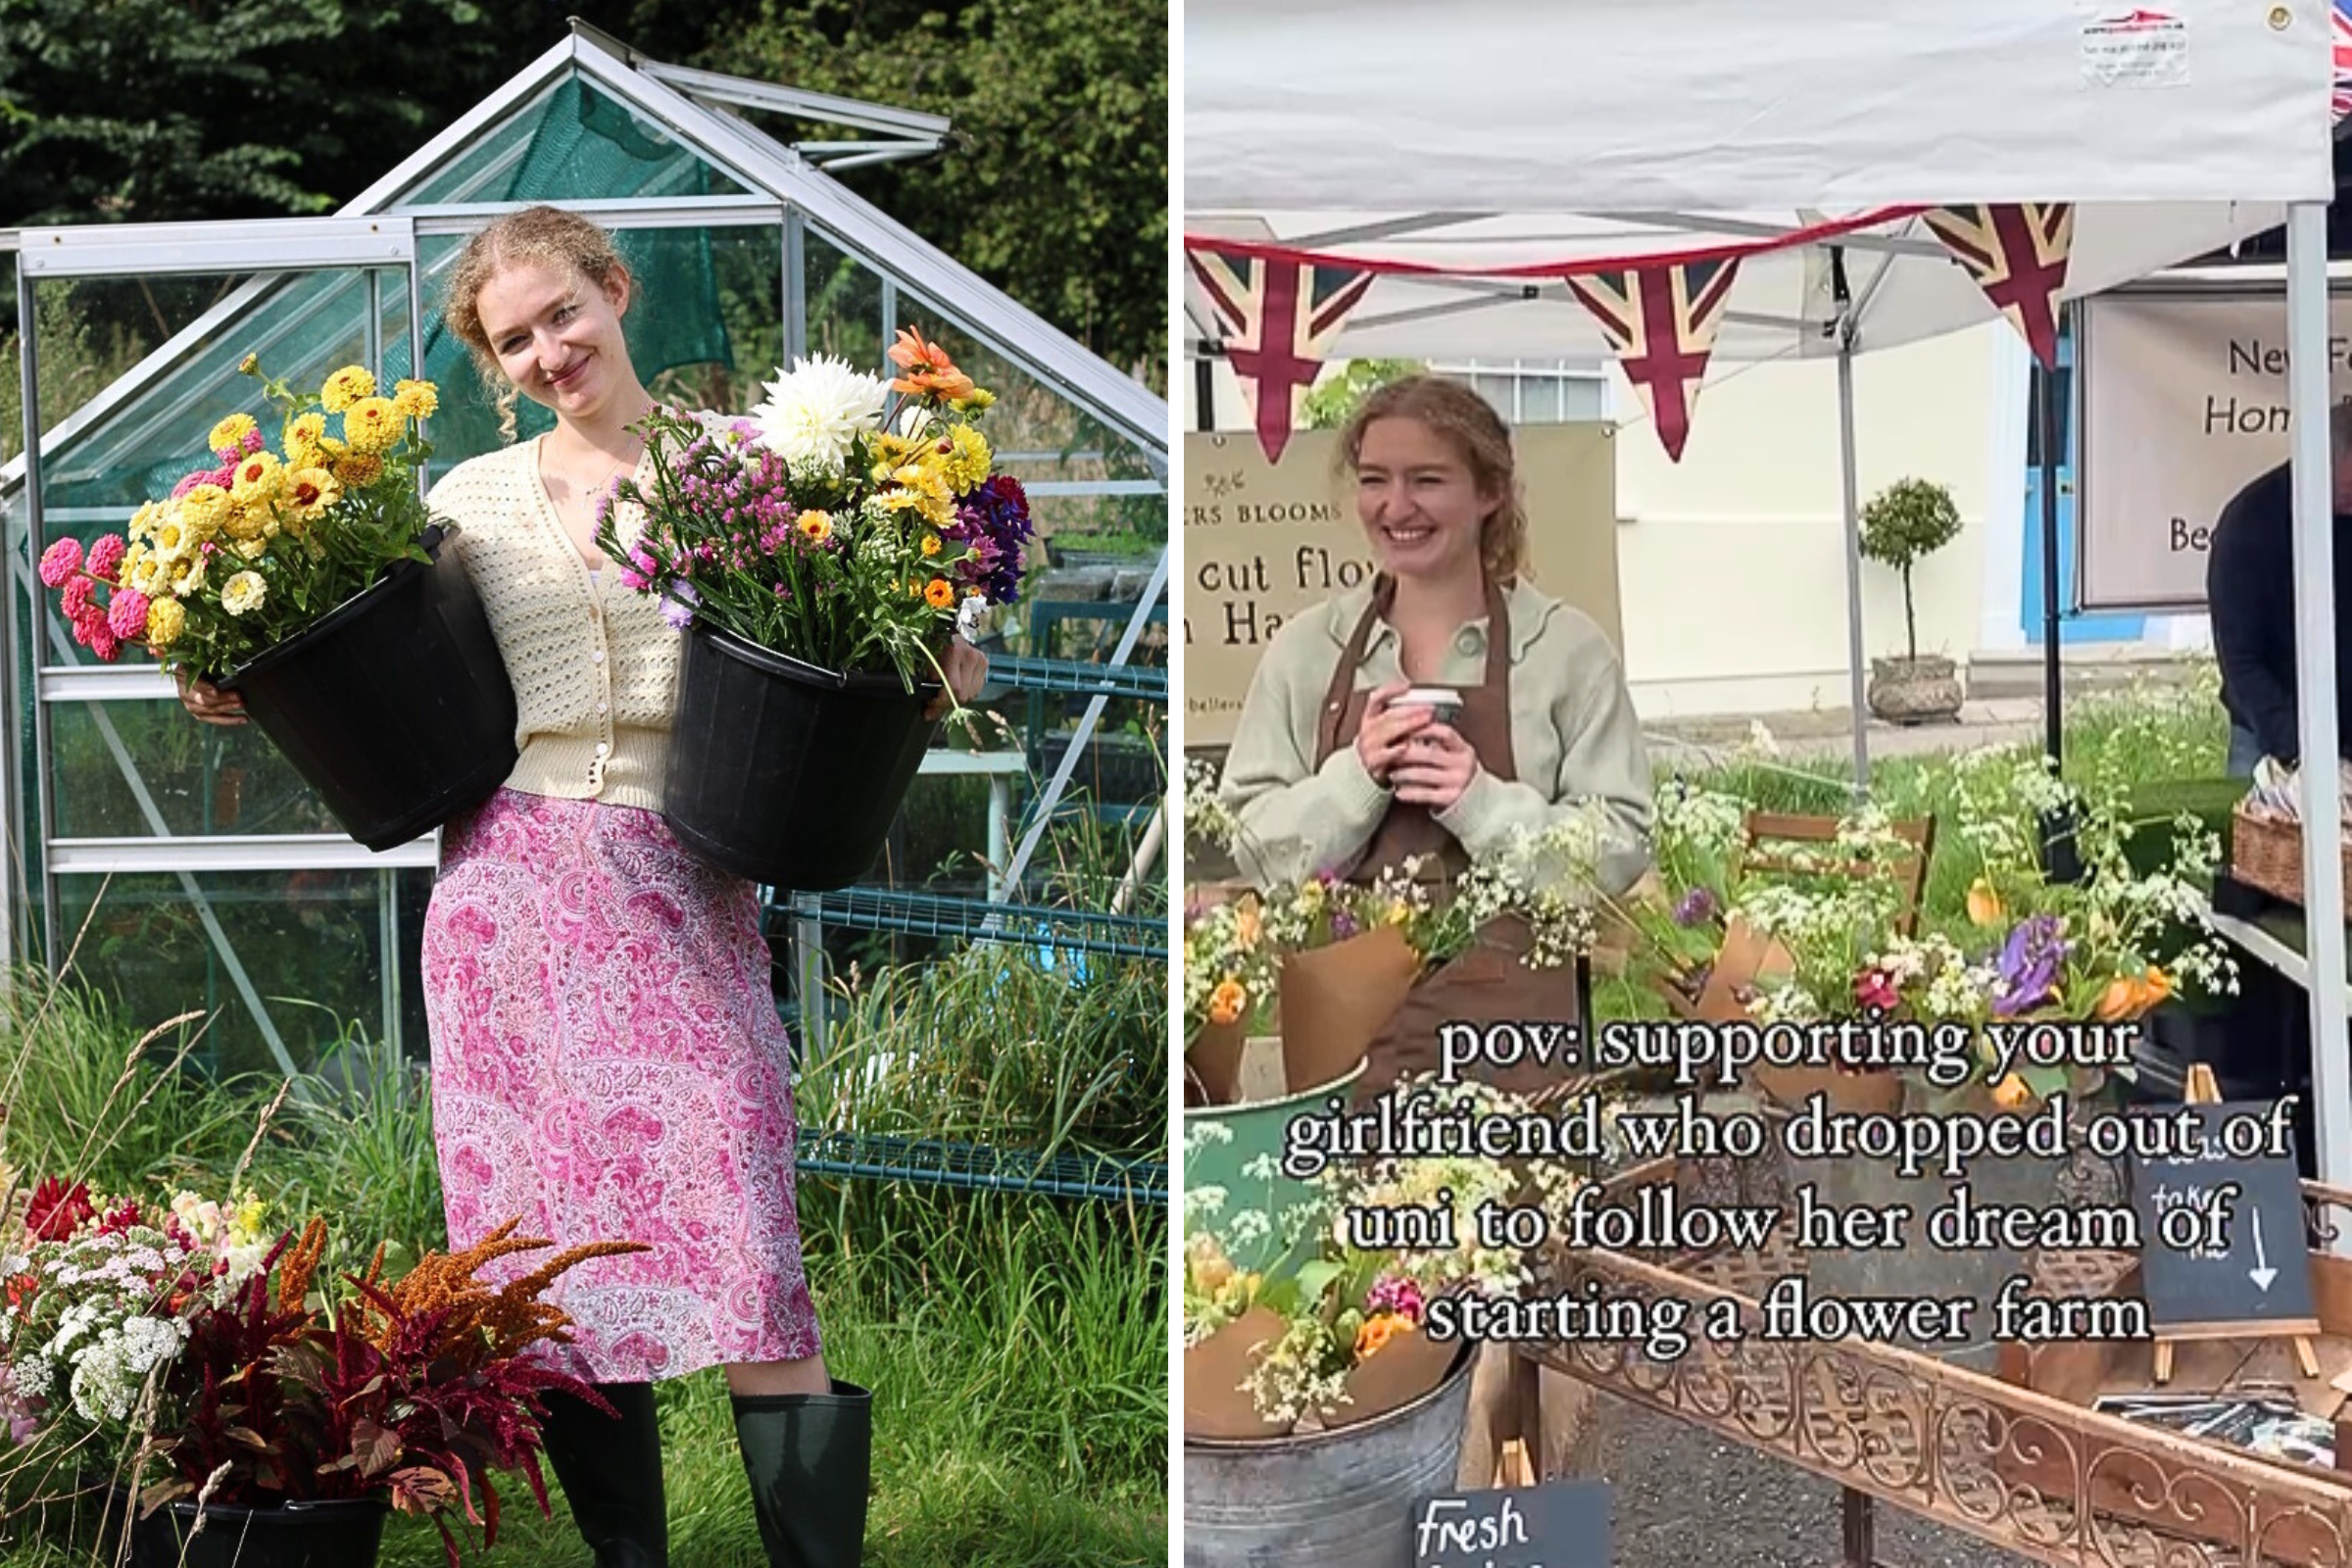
[[1682, 1496]]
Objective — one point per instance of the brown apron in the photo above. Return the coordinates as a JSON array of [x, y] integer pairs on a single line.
[[1488, 983]]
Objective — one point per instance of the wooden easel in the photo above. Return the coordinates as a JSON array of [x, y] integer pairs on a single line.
[[2200, 1089]]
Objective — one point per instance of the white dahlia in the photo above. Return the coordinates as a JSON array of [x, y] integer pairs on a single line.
[[812, 417]]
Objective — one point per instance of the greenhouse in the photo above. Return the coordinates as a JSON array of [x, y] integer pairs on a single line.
[[180, 865]]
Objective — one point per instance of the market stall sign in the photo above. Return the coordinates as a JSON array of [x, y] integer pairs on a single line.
[[1563, 1525], [2238, 1265]]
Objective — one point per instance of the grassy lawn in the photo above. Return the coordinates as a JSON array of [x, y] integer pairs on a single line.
[[1018, 1345]]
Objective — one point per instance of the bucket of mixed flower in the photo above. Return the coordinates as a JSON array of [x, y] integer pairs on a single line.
[[311, 580], [251, 1411], [818, 554], [1325, 1396]]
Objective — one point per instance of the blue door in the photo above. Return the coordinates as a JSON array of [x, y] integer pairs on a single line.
[[2075, 628]]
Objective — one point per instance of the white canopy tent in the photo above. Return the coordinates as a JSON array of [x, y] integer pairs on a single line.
[[1374, 131]]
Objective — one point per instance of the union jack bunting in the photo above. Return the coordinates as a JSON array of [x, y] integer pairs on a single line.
[[1661, 320], [2339, 29], [2017, 254], [1281, 319]]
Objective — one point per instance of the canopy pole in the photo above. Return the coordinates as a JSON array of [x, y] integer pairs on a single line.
[[1853, 555], [2315, 679]]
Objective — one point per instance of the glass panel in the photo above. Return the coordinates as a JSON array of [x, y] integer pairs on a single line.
[[1584, 397], [107, 758], [312, 946], [1540, 398], [571, 143], [843, 304]]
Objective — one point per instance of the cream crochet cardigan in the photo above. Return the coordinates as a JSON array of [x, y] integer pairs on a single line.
[[595, 667]]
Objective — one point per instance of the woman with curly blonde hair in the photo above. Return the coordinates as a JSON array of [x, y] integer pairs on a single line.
[[607, 1059]]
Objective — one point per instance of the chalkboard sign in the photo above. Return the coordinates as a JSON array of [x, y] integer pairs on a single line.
[[1563, 1525], [2251, 1276]]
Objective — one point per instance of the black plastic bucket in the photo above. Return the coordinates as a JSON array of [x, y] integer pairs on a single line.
[[786, 773], [395, 706], [294, 1535]]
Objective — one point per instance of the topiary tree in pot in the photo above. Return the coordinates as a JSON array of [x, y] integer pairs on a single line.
[[1902, 526]]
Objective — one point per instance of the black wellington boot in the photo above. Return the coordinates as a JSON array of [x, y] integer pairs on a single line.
[[610, 1472], [809, 1457]]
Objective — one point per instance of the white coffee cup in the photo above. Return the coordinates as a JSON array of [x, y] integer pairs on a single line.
[[1444, 702]]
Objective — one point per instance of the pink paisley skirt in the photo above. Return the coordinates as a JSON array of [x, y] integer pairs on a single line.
[[608, 1065]]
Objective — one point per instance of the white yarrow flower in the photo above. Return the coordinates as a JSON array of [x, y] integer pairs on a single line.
[[812, 417]]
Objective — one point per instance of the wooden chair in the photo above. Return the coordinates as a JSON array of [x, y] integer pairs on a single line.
[[1766, 829]]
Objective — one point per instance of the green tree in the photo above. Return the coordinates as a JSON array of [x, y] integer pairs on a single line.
[[1055, 188], [1331, 404], [1903, 524]]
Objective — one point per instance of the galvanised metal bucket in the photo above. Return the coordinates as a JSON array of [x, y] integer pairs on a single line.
[[1343, 1498]]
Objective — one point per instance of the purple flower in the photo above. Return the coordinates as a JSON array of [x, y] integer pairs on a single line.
[[1394, 1292], [2027, 966], [1694, 908], [1342, 925], [678, 616], [993, 522]]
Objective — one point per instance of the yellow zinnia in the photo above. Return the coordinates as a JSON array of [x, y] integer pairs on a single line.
[[373, 424], [311, 491], [305, 439], [230, 432], [142, 522], [202, 510], [358, 469], [166, 620], [242, 592], [346, 387], [967, 463], [246, 523], [415, 400], [931, 545], [258, 480], [186, 576]]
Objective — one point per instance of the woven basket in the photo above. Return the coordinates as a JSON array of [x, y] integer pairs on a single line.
[[2265, 852]]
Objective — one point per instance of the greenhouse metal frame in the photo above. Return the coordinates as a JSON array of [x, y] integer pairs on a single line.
[[631, 111]]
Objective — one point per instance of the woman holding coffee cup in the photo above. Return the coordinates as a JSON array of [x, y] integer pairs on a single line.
[[1432, 714], [1437, 711]]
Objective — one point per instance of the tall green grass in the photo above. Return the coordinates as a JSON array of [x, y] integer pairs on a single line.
[[1017, 1344]]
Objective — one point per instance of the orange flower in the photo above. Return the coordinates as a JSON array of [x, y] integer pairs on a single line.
[[2129, 996], [1378, 1330], [933, 371], [2012, 1093], [1984, 905], [1226, 1002], [939, 594]]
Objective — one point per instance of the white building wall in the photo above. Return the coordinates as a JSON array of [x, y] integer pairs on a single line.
[[1731, 564]]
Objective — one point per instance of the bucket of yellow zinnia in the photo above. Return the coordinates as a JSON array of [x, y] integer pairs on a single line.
[[305, 575]]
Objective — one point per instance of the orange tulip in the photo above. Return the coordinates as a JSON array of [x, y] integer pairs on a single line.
[[1226, 1002], [2120, 1001], [2012, 1093], [1984, 905]]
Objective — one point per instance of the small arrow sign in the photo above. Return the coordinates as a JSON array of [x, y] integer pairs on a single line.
[[2261, 1273]]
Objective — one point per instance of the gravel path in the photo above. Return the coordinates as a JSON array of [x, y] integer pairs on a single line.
[[1683, 1497]]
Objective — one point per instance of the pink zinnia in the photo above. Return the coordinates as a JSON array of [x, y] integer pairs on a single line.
[[60, 561], [200, 476], [102, 642], [252, 443], [78, 598], [105, 556], [127, 616]]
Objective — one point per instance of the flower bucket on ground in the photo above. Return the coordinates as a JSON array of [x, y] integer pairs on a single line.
[[209, 1367], [821, 553], [310, 580]]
